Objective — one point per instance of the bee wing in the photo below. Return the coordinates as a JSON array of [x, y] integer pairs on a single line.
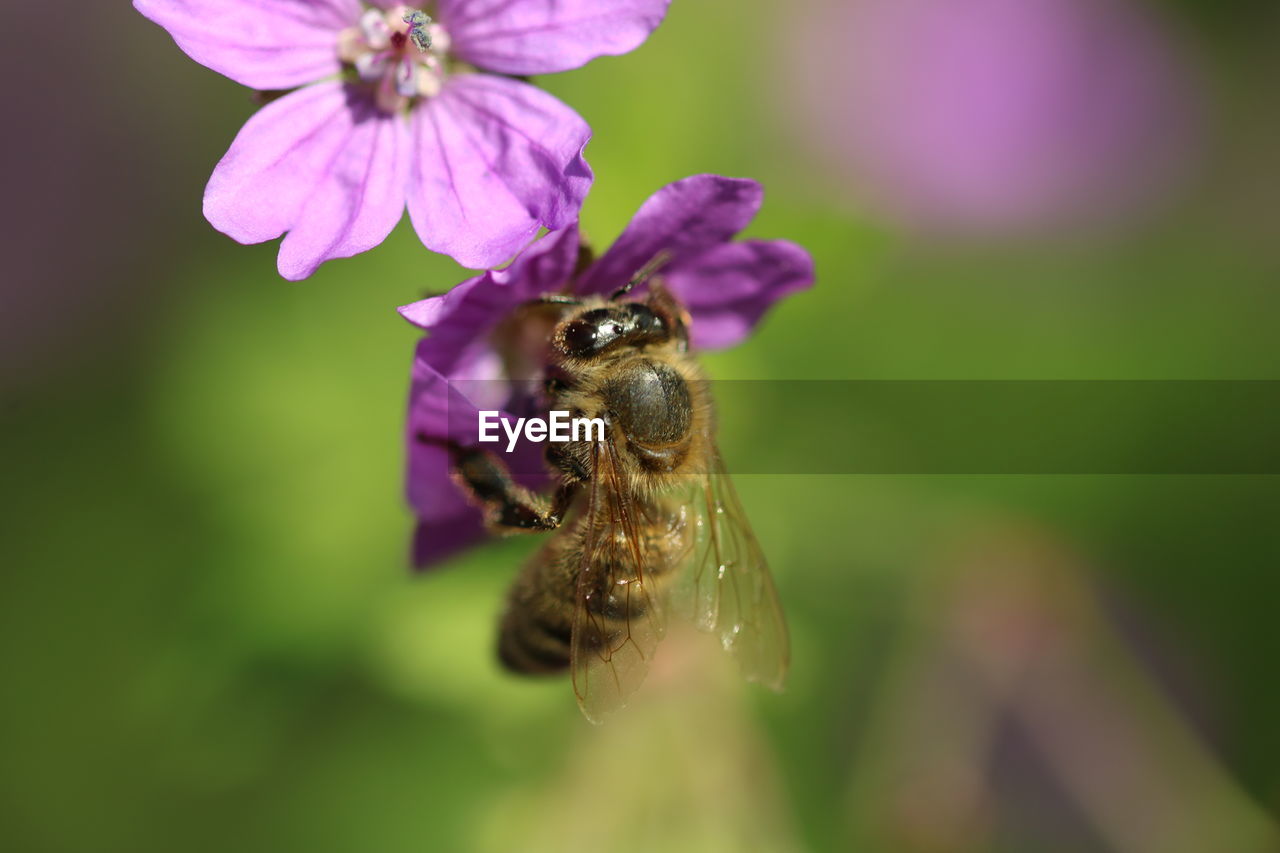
[[618, 612], [729, 585]]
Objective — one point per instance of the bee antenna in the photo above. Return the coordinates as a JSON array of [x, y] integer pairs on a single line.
[[646, 272], [555, 299]]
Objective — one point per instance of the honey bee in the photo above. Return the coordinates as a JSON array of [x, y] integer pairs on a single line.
[[647, 519]]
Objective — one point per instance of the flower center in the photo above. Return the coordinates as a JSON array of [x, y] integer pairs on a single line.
[[399, 51]]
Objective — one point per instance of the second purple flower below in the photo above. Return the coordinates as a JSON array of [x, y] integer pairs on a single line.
[[470, 358]]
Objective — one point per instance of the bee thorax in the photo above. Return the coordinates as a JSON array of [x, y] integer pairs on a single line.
[[650, 404]]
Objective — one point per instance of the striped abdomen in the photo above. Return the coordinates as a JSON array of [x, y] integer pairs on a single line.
[[536, 631]]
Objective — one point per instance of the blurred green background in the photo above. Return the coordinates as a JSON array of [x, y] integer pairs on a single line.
[[210, 639]]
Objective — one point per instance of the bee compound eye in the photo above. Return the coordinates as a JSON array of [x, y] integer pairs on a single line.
[[579, 337]]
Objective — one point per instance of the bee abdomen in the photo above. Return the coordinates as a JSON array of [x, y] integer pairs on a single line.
[[536, 633], [534, 642]]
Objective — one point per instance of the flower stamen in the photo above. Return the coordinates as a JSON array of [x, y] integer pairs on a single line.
[[419, 33], [399, 51]]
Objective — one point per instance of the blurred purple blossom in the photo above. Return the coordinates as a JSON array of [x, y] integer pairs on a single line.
[[990, 116], [463, 364], [481, 160]]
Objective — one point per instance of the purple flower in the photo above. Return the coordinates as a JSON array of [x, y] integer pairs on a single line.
[[466, 362], [401, 116], [991, 116]]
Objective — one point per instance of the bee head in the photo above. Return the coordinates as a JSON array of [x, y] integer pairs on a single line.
[[594, 331]]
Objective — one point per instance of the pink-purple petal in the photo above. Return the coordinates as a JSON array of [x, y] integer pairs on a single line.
[[261, 183], [321, 163], [439, 416], [544, 267], [265, 44], [462, 320], [494, 160], [682, 219], [545, 36], [437, 539], [443, 412], [430, 489], [460, 323], [730, 287], [357, 203]]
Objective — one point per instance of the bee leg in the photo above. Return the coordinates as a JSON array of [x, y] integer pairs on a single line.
[[508, 505], [571, 459]]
